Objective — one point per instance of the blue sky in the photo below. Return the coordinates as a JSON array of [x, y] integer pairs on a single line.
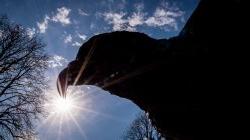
[[66, 24]]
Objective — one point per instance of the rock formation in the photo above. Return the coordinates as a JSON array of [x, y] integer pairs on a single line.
[[176, 80]]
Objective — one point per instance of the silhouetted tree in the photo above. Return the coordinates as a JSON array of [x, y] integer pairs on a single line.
[[142, 129], [23, 62]]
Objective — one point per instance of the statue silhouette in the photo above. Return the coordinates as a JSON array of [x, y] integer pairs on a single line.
[[176, 80]]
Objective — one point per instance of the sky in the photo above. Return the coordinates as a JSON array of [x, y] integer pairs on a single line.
[[64, 25]]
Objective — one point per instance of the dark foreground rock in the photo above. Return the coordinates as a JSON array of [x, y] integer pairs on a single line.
[[182, 81]]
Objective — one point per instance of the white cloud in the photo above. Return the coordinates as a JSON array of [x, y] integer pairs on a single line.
[[31, 32], [57, 61], [136, 19], [116, 19], [68, 39], [83, 37], [76, 44], [62, 16], [42, 26], [164, 17], [83, 13]]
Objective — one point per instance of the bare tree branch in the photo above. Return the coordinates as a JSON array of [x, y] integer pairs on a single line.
[[142, 129], [23, 62]]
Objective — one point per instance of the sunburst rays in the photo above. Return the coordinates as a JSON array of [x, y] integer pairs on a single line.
[[61, 122], [63, 113]]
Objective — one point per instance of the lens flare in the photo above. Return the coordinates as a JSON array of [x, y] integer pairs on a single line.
[[63, 105], [66, 114]]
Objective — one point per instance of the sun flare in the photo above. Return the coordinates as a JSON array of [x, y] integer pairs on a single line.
[[63, 105], [64, 114], [59, 106], [72, 105]]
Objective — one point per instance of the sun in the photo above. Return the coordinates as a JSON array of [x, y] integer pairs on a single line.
[[63, 105], [66, 114]]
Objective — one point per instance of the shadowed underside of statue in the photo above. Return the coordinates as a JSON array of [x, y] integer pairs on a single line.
[[172, 79]]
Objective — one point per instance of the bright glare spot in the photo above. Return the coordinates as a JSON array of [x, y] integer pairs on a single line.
[[63, 105], [59, 107]]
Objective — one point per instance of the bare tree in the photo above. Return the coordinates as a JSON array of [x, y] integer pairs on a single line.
[[142, 129], [23, 62]]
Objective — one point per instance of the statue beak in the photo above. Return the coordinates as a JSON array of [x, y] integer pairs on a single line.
[[62, 82]]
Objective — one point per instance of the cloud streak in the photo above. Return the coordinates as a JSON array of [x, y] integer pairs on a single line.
[[76, 44], [116, 20], [57, 61], [42, 26], [136, 19], [68, 39], [163, 16], [62, 17], [83, 37]]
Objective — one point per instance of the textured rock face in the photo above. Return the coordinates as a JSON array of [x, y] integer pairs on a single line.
[[175, 79]]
